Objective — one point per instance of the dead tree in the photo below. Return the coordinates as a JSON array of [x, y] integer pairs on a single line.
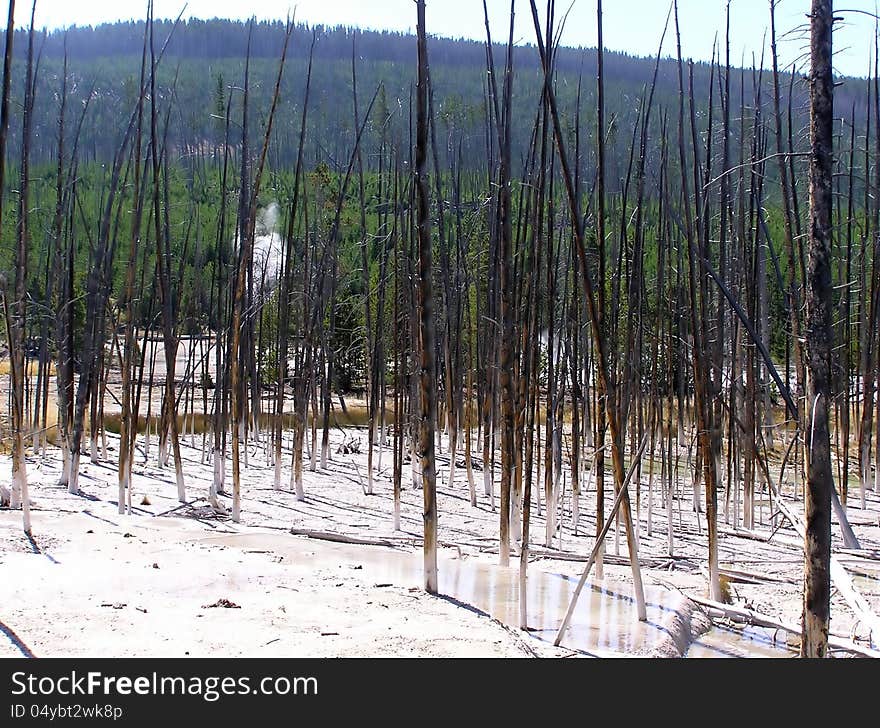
[[17, 495], [17, 321], [163, 273], [819, 340], [284, 311], [506, 362], [427, 373], [128, 428], [698, 300]]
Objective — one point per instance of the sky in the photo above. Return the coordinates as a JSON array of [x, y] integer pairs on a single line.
[[631, 26]]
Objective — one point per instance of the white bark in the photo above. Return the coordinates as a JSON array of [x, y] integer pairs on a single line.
[[515, 515], [242, 438], [15, 492], [124, 486], [219, 472], [849, 537], [550, 522], [876, 468], [451, 477], [414, 465], [277, 480], [163, 450], [73, 479], [380, 444], [298, 486], [64, 477], [181, 486], [313, 457], [20, 486]]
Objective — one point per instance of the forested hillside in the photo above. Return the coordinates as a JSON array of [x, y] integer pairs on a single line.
[[205, 57]]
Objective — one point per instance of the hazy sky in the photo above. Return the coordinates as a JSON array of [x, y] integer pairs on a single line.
[[633, 26]]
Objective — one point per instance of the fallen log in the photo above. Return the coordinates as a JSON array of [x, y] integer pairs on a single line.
[[659, 562], [749, 616], [862, 553], [749, 577], [356, 540]]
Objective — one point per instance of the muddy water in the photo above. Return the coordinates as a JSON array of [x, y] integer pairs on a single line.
[[604, 621], [200, 424], [867, 583], [751, 642]]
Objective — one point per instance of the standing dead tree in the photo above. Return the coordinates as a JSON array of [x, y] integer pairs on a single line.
[[163, 273], [506, 351], [19, 474], [819, 336], [698, 303], [427, 373], [16, 323], [284, 313], [127, 427]]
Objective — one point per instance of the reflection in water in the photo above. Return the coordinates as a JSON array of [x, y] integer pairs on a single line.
[[751, 642], [605, 618]]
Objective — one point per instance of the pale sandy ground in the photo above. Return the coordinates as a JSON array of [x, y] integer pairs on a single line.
[[98, 583]]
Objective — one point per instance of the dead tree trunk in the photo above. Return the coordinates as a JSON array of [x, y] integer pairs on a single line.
[[427, 374], [127, 428], [817, 538]]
